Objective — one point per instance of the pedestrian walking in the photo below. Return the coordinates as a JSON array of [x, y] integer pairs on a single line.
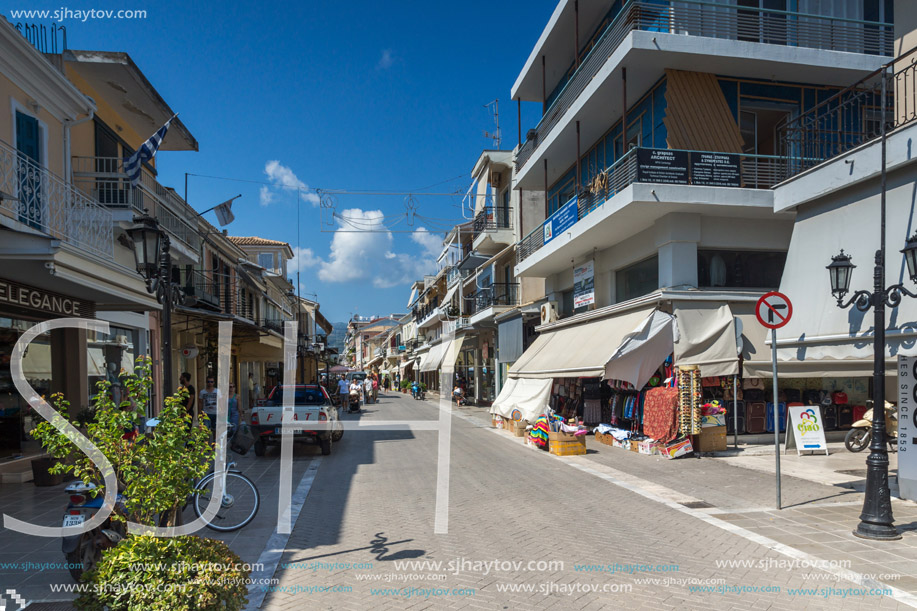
[[185, 380], [343, 390]]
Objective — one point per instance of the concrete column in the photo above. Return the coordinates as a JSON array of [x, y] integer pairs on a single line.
[[677, 236]]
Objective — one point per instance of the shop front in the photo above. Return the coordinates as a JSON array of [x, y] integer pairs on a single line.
[[644, 377], [51, 364]]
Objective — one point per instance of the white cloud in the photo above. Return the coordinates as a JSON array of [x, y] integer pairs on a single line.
[[387, 59], [281, 178], [362, 250], [432, 243], [303, 258]]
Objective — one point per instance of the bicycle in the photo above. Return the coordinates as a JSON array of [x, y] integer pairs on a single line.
[[240, 503]]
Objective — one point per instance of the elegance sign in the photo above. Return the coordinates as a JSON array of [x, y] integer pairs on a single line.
[[46, 302]]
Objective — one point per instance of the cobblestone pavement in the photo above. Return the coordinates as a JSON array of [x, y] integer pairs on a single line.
[[531, 531]]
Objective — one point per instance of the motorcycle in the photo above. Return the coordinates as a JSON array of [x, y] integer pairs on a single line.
[[418, 392], [354, 404], [859, 437], [85, 550]]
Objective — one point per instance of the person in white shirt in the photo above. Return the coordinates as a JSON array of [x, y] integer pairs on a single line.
[[343, 390], [356, 388]]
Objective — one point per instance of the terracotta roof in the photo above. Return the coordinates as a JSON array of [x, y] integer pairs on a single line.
[[255, 241]]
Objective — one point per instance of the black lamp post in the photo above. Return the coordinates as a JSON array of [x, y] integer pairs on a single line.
[[151, 254], [876, 520]]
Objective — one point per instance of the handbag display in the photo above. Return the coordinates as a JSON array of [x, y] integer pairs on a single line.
[[844, 416], [730, 419], [858, 412], [755, 417], [754, 395], [839, 398], [830, 417], [753, 383], [793, 395]]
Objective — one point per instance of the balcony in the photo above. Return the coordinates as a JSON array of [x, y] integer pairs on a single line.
[[272, 324], [455, 274], [212, 293], [639, 166], [491, 300], [31, 194], [492, 229], [104, 179], [426, 314], [716, 20]]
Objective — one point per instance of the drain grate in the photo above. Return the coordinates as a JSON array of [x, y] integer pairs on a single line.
[[697, 505]]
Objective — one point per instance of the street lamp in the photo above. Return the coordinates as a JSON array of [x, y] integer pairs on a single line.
[[876, 520], [151, 254]]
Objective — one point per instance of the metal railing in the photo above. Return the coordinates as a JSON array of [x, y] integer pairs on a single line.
[[455, 274], [273, 324], [31, 194], [713, 20], [422, 313], [755, 172], [492, 219], [852, 116], [497, 294], [203, 289], [104, 179]]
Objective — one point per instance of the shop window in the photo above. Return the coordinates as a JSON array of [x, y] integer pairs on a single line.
[[16, 417], [638, 279], [739, 269]]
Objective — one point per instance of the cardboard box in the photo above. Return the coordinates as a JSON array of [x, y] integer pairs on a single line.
[[713, 420], [519, 428], [566, 444], [711, 439], [647, 447], [676, 449]]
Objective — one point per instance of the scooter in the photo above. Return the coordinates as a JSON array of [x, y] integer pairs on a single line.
[[354, 404], [85, 550], [417, 391], [859, 437]]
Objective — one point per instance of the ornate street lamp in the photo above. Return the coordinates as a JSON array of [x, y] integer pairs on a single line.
[[876, 520], [151, 254]]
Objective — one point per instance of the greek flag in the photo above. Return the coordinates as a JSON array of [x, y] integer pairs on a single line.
[[147, 150]]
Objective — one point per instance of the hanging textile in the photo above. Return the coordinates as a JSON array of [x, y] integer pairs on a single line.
[[659, 417]]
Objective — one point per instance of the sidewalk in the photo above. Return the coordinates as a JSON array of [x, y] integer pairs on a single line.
[[822, 499]]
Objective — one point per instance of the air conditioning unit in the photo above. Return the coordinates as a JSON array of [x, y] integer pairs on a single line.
[[548, 312]]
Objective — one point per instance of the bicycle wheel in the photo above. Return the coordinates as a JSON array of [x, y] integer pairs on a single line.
[[240, 502]]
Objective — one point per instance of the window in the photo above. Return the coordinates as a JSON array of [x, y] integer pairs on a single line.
[[638, 279], [739, 269], [266, 260]]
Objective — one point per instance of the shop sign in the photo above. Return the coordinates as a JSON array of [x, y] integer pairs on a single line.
[[808, 428], [907, 427], [584, 285], [38, 300], [715, 169], [662, 166], [565, 217]]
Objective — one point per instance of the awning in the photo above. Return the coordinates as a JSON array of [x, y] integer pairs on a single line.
[[642, 351], [707, 338], [267, 348], [528, 396], [376, 359], [472, 261], [406, 366], [450, 293], [413, 297], [581, 350], [432, 359]]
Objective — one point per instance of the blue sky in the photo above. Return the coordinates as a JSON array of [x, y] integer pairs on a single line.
[[357, 96]]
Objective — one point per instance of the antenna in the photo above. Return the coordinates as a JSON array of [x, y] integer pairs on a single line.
[[497, 135]]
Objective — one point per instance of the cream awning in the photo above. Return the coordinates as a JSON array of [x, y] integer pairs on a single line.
[[707, 338], [579, 350], [528, 395], [432, 359]]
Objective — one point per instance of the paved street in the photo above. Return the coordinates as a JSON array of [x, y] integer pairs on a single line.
[[365, 536]]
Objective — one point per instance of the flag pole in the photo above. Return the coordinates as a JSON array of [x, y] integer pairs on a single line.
[[218, 205]]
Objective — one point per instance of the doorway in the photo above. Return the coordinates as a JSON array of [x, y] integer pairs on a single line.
[[28, 144]]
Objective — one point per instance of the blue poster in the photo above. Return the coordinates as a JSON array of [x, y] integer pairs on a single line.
[[565, 217]]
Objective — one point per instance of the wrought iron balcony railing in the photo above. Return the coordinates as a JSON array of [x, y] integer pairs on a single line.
[[497, 294], [104, 179], [33, 195], [712, 20]]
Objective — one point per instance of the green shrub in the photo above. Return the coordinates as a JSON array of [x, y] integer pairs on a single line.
[[405, 384], [146, 573], [423, 386]]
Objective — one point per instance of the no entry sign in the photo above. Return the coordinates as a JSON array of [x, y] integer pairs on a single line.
[[774, 310]]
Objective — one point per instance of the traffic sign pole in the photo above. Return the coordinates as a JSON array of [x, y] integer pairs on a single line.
[[773, 311], [776, 411]]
